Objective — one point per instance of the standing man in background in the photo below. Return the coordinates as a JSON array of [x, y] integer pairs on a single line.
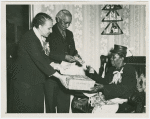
[[62, 48]]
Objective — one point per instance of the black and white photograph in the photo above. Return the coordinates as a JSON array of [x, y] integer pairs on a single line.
[[75, 58]]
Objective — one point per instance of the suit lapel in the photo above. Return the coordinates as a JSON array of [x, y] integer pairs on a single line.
[[56, 30], [67, 35], [37, 41]]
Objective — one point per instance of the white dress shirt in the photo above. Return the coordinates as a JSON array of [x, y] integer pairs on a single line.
[[42, 39]]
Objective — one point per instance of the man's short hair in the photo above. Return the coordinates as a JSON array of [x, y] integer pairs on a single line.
[[62, 13]]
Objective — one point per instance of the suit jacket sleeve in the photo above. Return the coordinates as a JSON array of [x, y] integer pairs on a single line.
[[98, 78], [34, 49], [57, 56], [125, 88], [72, 47], [53, 41]]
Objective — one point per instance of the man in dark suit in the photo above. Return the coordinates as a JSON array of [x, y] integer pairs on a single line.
[[32, 67], [62, 48]]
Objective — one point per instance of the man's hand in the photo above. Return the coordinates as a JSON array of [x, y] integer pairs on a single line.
[[97, 88], [70, 58], [77, 55], [78, 59]]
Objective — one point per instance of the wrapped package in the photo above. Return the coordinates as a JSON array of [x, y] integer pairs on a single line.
[[71, 69], [79, 82]]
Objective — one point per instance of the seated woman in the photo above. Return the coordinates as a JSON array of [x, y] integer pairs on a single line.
[[120, 81]]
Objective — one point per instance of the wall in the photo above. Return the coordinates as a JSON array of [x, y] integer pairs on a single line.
[[87, 28], [17, 15]]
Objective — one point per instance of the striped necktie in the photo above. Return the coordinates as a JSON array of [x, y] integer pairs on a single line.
[[64, 34]]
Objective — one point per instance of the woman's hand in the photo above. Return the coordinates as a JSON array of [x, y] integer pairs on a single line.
[[64, 81], [97, 88], [56, 66]]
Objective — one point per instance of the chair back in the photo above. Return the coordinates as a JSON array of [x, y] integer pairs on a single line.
[[105, 64]]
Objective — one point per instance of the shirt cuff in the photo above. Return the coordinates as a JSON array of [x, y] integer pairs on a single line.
[[52, 64]]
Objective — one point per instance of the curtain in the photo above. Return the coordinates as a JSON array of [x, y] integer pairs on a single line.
[[87, 27]]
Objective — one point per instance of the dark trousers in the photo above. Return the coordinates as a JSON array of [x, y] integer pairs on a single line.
[[26, 98], [57, 96], [51, 88]]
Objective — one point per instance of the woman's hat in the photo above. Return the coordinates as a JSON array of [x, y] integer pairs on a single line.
[[119, 49]]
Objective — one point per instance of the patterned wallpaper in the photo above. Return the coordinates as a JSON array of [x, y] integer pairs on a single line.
[[87, 27]]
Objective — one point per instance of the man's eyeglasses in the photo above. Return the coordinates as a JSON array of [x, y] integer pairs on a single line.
[[65, 23]]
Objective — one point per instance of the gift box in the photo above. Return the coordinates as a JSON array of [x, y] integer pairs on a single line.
[[79, 82]]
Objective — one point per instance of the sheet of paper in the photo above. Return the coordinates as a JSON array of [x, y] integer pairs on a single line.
[[67, 64], [106, 109], [89, 95], [71, 69], [117, 101]]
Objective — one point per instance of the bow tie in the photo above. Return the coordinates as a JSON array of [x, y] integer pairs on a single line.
[[117, 77]]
